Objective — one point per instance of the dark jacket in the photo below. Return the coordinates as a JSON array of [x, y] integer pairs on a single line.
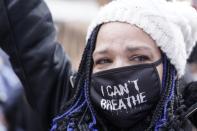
[[13, 103], [28, 36]]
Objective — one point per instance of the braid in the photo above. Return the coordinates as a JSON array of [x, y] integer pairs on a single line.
[[80, 104], [165, 106], [82, 67], [88, 76], [158, 111], [169, 109], [176, 120], [79, 78], [170, 96]]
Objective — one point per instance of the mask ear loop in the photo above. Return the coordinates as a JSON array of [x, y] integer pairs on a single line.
[[155, 64], [158, 62]]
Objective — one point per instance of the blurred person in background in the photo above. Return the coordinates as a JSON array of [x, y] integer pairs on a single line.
[[3, 97], [191, 68], [128, 77], [10, 94], [190, 79], [3, 125], [15, 113]]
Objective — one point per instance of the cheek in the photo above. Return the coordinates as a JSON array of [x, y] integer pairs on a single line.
[[160, 71]]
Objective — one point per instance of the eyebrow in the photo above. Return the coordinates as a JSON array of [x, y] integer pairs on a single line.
[[138, 48], [128, 49], [131, 49]]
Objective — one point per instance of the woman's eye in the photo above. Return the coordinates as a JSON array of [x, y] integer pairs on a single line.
[[139, 59], [102, 61]]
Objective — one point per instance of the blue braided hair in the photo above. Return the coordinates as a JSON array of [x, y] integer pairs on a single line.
[[165, 114], [80, 105], [170, 97]]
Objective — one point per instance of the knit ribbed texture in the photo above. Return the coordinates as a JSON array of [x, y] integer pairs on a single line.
[[173, 27]]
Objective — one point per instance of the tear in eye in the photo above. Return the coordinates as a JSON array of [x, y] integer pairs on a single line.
[[139, 58], [103, 61]]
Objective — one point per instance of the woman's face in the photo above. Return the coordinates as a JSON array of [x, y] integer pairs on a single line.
[[121, 44]]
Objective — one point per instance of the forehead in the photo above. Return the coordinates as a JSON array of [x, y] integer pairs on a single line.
[[116, 34]]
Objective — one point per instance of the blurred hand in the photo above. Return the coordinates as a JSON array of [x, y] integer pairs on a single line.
[[3, 123]]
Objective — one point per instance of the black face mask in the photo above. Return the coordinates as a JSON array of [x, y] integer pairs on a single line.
[[126, 95]]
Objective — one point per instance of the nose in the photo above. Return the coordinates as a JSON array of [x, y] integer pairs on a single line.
[[120, 62]]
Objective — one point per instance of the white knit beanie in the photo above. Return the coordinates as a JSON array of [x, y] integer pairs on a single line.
[[172, 26]]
